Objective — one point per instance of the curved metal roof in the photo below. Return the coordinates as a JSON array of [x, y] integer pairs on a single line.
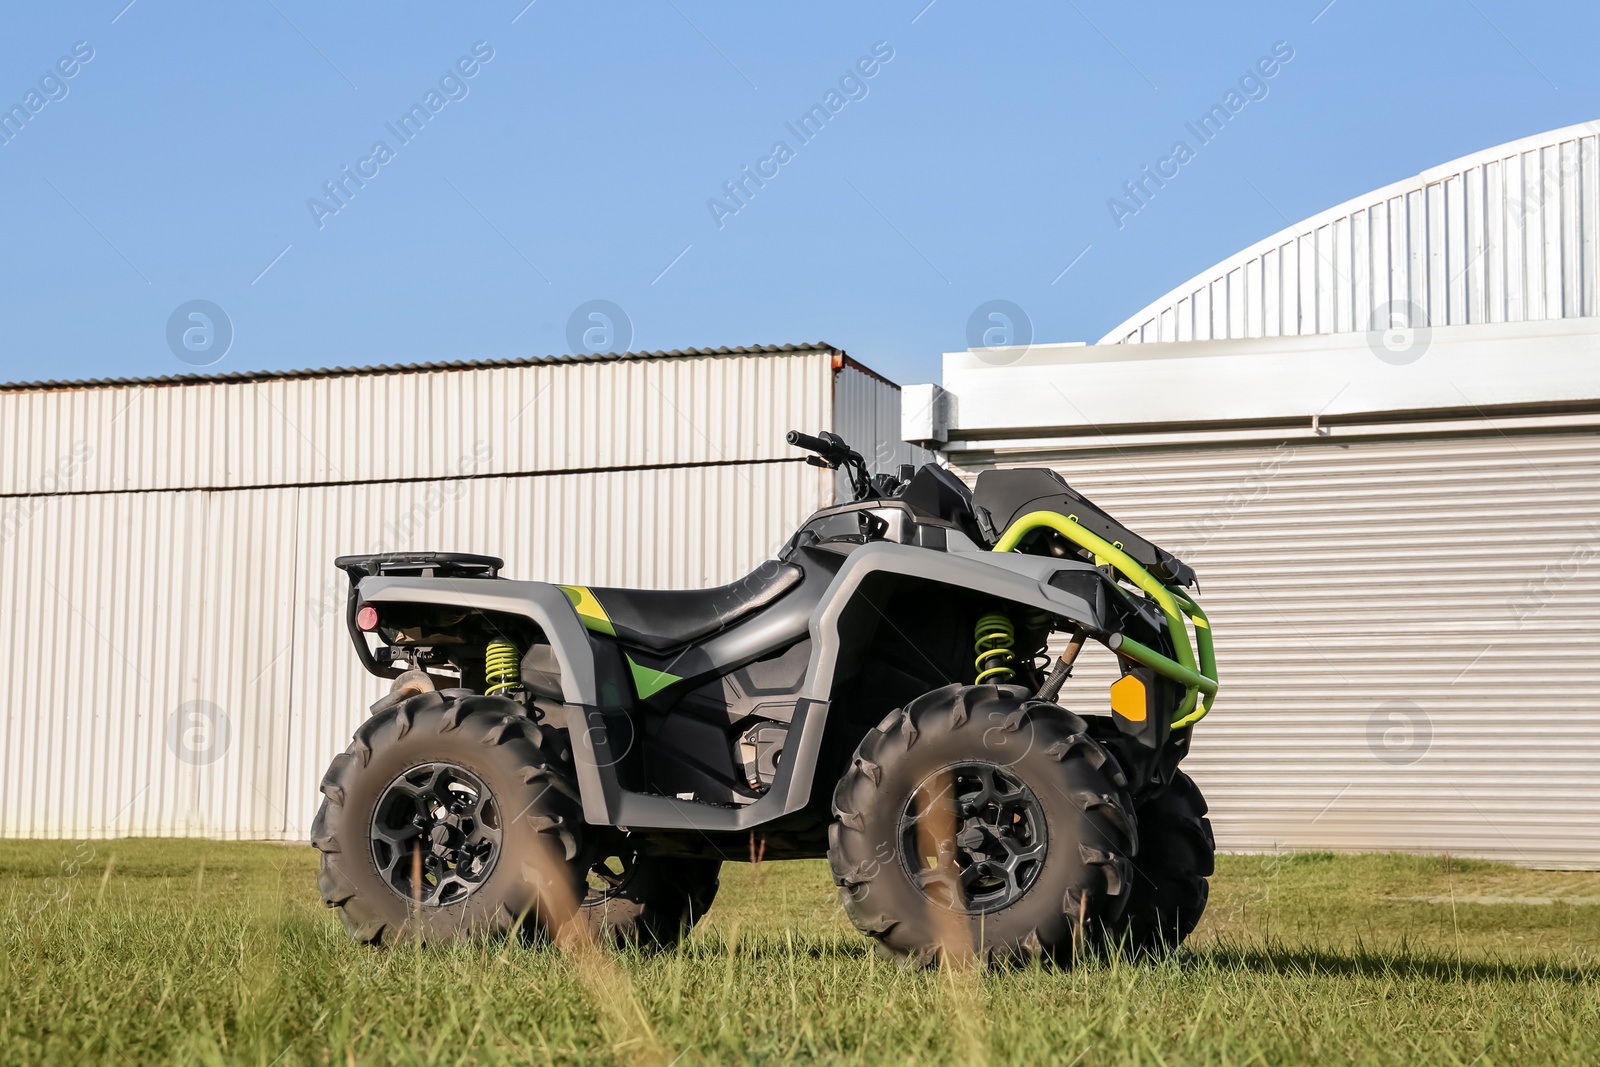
[[1508, 234]]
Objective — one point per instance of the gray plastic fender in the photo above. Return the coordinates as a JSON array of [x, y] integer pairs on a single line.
[[1009, 576], [548, 607], [1006, 576]]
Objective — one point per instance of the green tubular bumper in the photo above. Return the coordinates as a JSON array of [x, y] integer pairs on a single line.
[[1198, 679]]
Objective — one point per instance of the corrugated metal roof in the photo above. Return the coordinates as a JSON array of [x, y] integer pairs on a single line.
[[414, 368], [1507, 234]]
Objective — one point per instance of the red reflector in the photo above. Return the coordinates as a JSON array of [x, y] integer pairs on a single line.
[[367, 618]]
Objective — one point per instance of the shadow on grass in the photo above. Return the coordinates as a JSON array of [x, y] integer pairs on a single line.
[[1364, 963], [1297, 961], [1400, 962], [768, 944]]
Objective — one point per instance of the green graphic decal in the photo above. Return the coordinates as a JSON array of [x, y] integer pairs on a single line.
[[649, 682]]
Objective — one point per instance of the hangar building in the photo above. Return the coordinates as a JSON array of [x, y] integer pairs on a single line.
[[1376, 436], [167, 546]]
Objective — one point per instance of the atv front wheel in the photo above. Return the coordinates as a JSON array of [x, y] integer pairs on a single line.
[[638, 900], [1176, 856], [980, 820], [450, 816]]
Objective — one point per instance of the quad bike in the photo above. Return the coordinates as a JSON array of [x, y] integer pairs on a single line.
[[878, 694]]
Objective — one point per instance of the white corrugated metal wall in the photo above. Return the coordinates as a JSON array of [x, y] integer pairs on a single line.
[[1509, 234], [866, 414], [551, 415], [167, 550], [1407, 633]]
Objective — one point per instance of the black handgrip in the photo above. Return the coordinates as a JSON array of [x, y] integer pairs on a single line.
[[807, 442]]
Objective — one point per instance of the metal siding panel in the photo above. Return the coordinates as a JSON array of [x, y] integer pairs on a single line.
[[867, 415], [1253, 297], [254, 665], [1306, 299], [1321, 242], [231, 597], [1473, 269], [1272, 293], [1550, 187], [1569, 233], [1343, 576], [1495, 244], [853, 418], [1453, 241], [886, 450], [1234, 283], [1588, 208], [1516, 245], [1416, 246], [1532, 222], [1378, 239], [1360, 270], [1399, 252], [389, 426], [1343, 285], [113, 616]]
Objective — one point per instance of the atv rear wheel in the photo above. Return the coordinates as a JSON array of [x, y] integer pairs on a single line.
[[644, 901], [980, 821], [450, 816], [1176, 856]]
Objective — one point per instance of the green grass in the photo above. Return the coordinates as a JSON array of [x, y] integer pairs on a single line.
[[168, 951]]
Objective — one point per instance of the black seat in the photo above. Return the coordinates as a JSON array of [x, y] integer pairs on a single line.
[[664, 619]]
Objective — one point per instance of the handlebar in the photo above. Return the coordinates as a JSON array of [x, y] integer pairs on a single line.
[[829, 447], [831, 451], [807, 442]]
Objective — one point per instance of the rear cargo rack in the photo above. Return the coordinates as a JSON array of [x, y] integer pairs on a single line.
[[404, 565], [419, 565]]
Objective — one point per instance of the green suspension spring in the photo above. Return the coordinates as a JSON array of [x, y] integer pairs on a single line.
[[993, 639], [502, 667]]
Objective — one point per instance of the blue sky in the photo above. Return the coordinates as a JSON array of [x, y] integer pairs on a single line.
[[579, 161]]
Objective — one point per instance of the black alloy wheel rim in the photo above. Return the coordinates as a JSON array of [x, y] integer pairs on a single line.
[[610, 875], [436, 834], [972, 837]]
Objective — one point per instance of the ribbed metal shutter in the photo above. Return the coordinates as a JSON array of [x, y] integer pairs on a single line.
[[1408, 633]]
